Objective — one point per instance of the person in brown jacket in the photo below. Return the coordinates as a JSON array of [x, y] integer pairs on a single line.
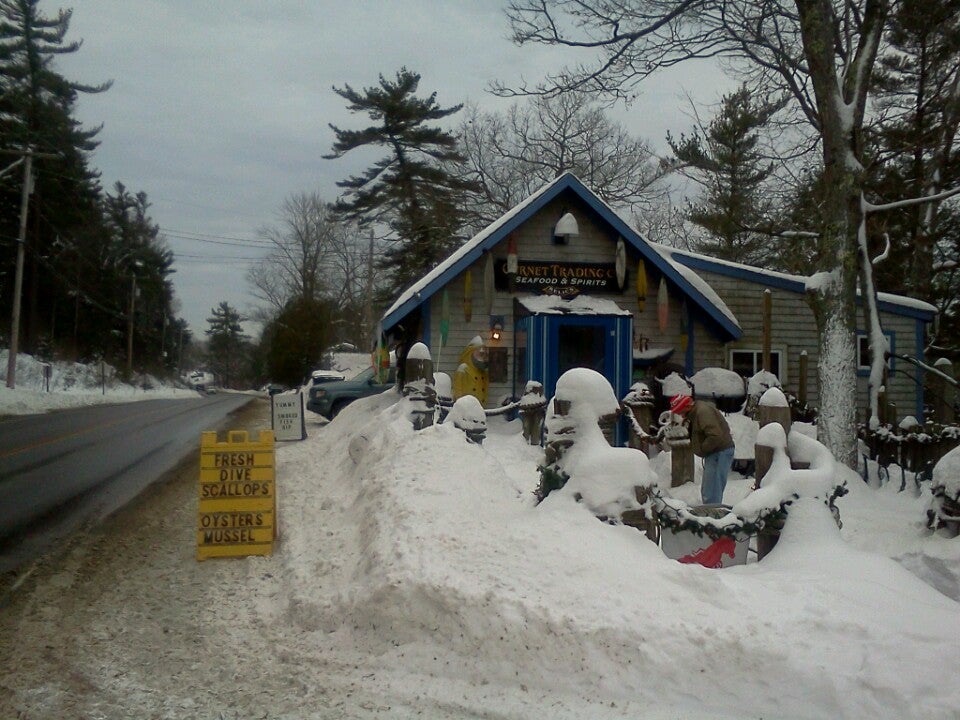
[[710, 439]]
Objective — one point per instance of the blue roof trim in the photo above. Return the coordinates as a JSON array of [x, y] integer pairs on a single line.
[[782, 283], [563, 183], [472, 256]]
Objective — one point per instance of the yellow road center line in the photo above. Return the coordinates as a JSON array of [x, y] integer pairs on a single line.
[[78, 433]]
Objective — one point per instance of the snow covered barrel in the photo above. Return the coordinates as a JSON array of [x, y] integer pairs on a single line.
[[704, 540]]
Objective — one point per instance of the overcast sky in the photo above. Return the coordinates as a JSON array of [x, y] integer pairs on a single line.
[[220, 110]]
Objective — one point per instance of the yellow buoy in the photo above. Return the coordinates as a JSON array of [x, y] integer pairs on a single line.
[[641, 286], [468, 295]]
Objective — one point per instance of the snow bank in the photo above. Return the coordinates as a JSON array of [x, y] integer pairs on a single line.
[[453, 585], [74, 385]]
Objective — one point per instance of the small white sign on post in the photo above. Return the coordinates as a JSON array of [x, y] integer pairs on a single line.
[[286, 418]]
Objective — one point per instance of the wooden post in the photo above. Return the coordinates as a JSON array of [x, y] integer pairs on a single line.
[[533, 407], [608, 425], [418, 385], [769, 412], [767, 321], [563, 436], [802, 388], [763, 455], [768, 536], [642, 412], [677, 439], [943, 392], [638, 518]]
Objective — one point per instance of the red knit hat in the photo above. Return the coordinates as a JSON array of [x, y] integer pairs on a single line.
[[679, 404]]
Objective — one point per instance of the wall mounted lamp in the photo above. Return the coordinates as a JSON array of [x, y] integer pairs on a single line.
[[496, 327]]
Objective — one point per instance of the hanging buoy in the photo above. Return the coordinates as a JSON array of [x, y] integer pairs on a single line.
[[684, 327], [488, 284], [663, 305], [641, 286], [444, 317], [621, 264], [512, 254], [468, 295]]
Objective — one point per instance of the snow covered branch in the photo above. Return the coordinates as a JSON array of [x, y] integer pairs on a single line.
[[869, 207]]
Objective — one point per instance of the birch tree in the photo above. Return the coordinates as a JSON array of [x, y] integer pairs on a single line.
[[823, 53]]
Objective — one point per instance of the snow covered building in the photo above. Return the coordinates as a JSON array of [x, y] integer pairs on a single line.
[[563, 281]]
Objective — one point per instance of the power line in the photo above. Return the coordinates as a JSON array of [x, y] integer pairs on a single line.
[[210, 237]]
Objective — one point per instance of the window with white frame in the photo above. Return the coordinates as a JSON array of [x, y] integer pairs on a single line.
[[747, 362]]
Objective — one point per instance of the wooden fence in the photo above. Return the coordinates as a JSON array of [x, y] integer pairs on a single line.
[[914, 449]]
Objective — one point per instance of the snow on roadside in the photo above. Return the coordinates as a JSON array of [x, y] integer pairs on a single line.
[[450, 574], [415, 577], [73, 385]]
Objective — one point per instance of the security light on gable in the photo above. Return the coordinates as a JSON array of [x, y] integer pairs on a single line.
[[566, 228]]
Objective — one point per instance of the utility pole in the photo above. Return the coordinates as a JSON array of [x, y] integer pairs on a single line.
[[133, 297], [369, 308], [27, 158]]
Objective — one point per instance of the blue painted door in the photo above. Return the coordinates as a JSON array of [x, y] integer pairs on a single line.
[[583, 341]]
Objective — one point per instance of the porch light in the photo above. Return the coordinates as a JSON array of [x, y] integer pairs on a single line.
[[566, 228], [496, 327]]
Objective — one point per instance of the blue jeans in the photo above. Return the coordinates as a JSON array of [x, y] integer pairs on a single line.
[[716, 466]]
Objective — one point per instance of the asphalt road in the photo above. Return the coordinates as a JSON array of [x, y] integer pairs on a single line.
[[63, 469]]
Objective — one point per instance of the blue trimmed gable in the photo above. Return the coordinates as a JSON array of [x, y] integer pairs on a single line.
[[489, 238]]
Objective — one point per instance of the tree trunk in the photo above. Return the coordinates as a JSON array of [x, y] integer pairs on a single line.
[[841, 94], [833, 300]]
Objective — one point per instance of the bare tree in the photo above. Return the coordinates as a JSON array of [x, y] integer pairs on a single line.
[[822, 52], [315, 256], [510, 155]]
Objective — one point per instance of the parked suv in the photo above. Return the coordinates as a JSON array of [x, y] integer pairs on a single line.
[[330, 398]]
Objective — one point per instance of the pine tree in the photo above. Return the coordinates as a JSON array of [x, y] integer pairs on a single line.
[[918, 92], [413, 189], [227, 351], [136, 250], [36, 112], [724, 158], [296, 340]]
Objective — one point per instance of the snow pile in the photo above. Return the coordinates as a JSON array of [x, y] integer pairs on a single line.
[[74, 385], [460, 589], [674, 384], [350, 364], [946, 474], [467, 414], [415, 576], [774, 397], [782, 484], [604, 478], [761, 382], [718, 382]]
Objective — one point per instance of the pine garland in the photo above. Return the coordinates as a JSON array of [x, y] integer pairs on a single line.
[[772, 519]]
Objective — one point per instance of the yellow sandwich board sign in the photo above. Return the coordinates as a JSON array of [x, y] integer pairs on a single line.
[[238, 496]]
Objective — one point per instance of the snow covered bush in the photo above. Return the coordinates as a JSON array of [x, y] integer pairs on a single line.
[[581, 464]]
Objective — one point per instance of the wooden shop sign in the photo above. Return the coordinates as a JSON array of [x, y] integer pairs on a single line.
[[548, 277]]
